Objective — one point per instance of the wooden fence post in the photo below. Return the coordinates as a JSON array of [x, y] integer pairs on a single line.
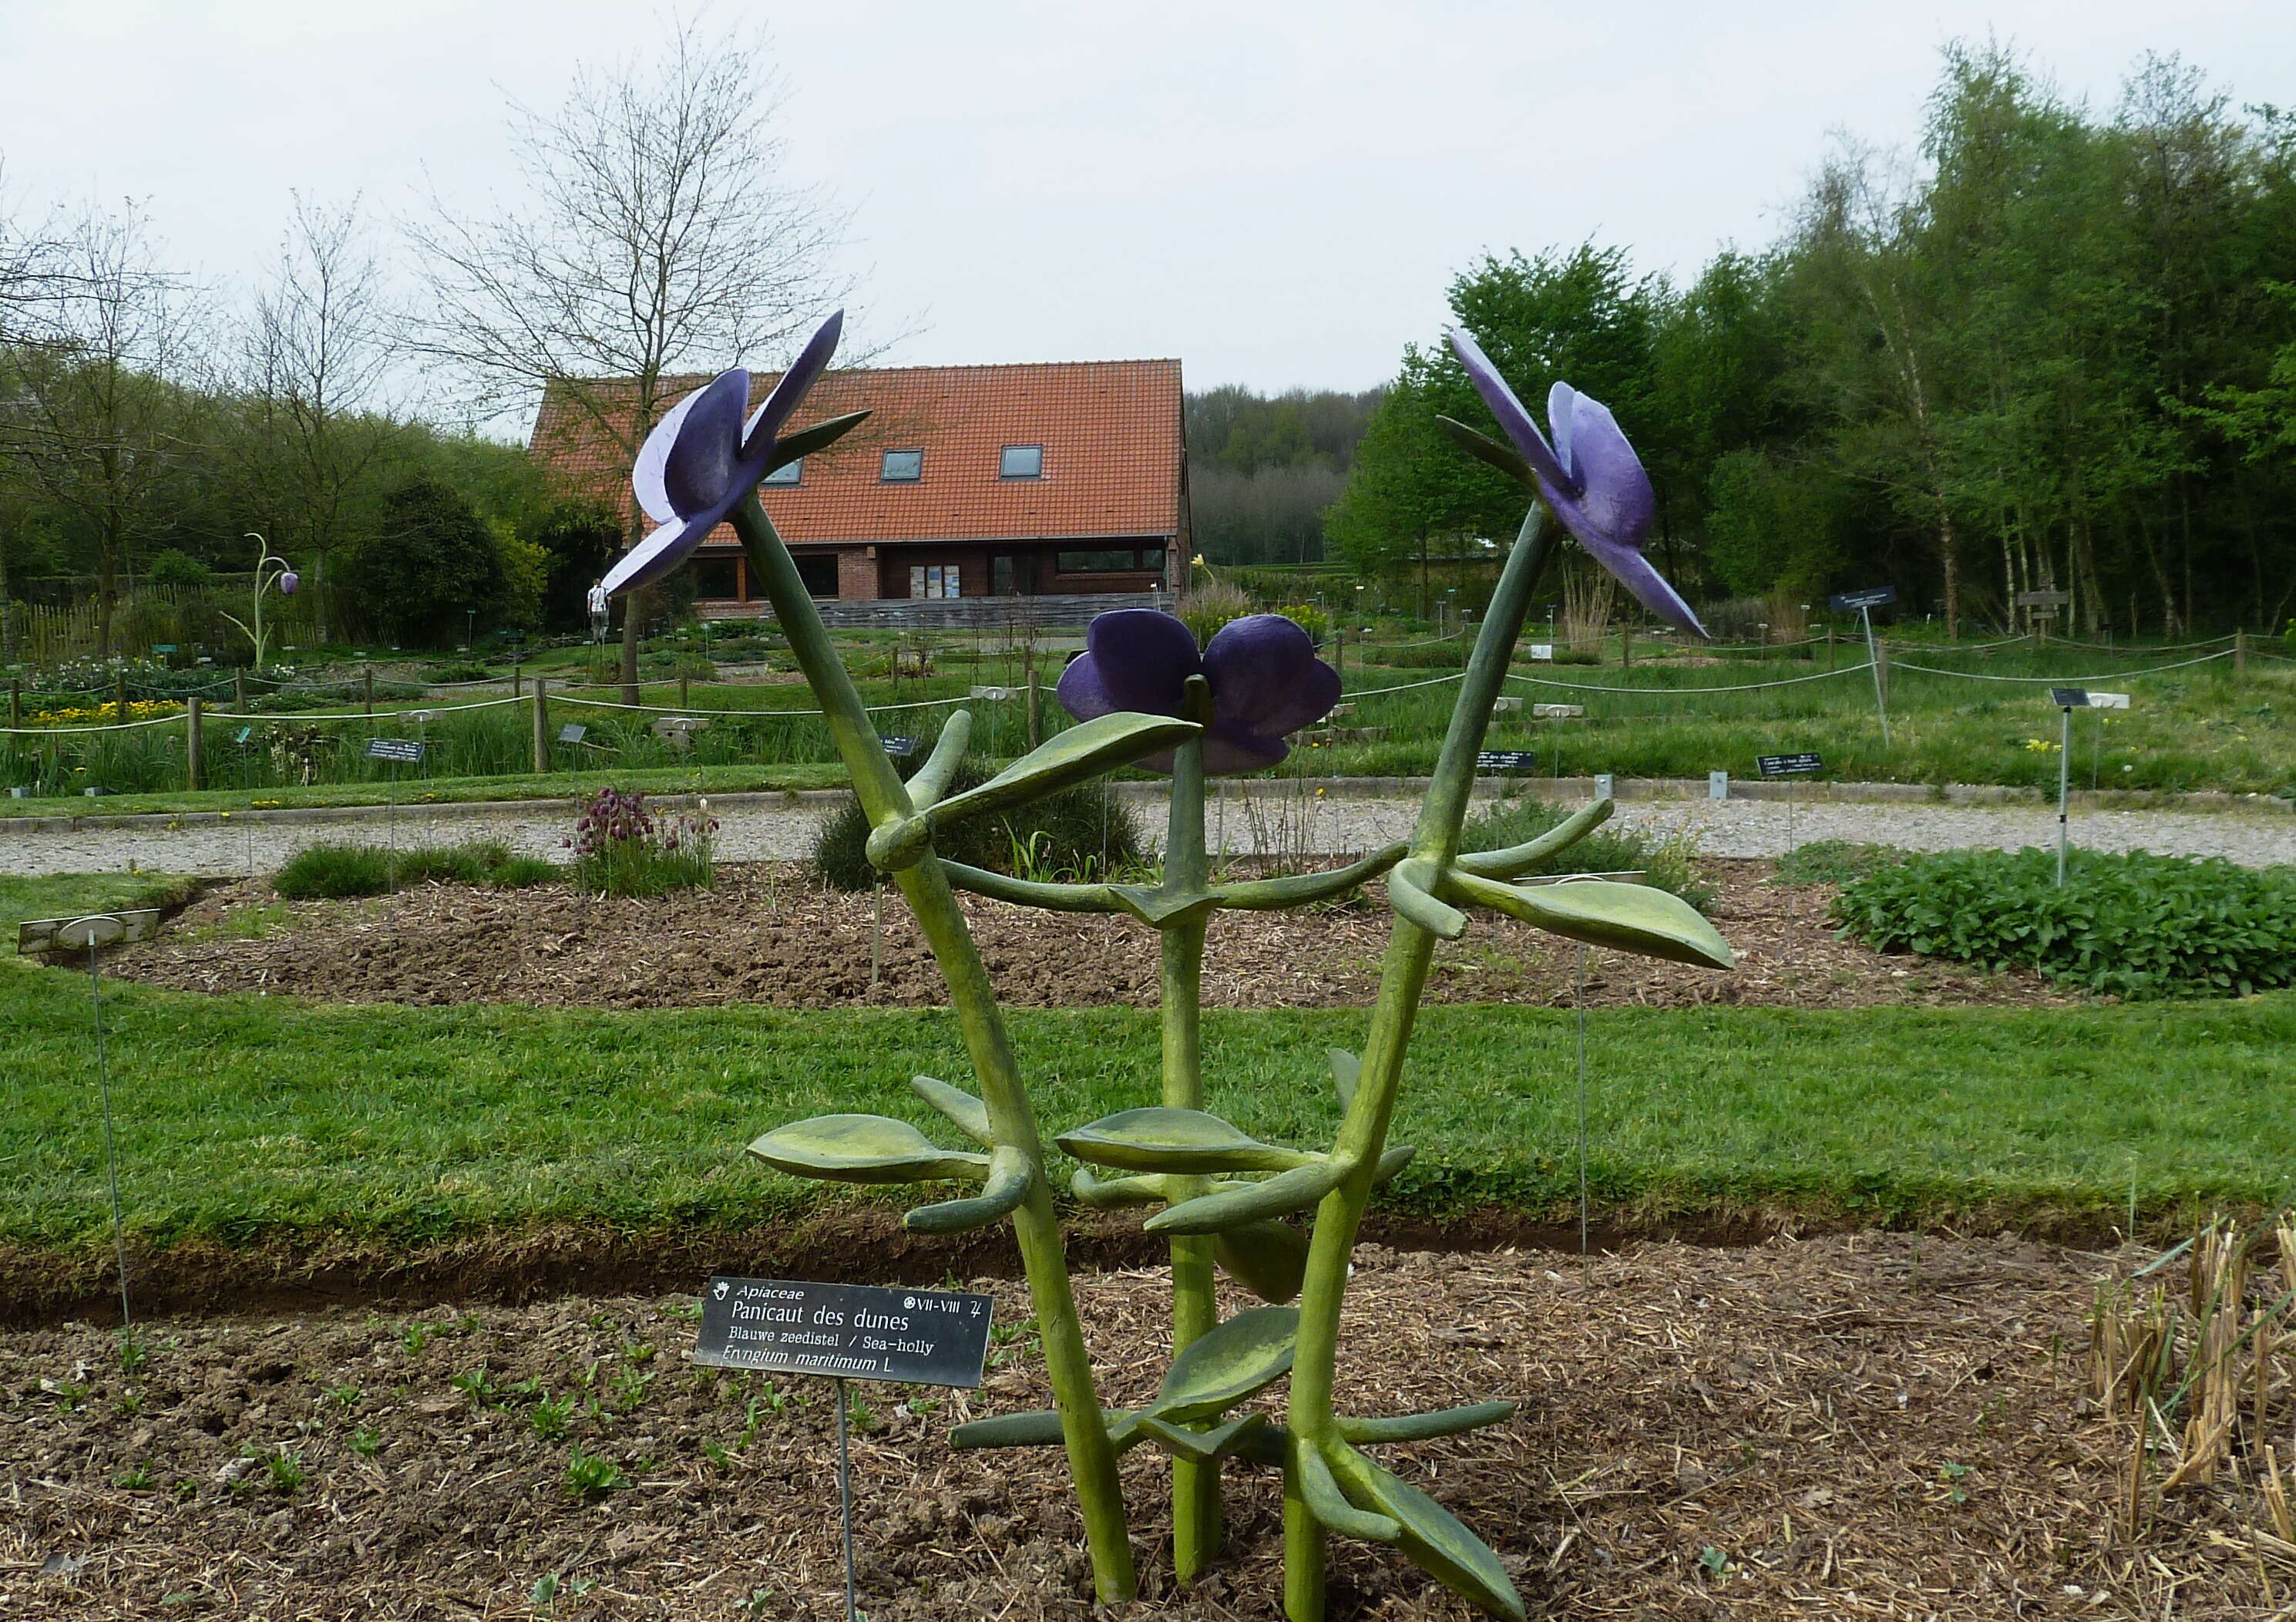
[[2239, 651], [1829, 647], [239, 690], [1625, 646], [515, 688], [369, 674], [119, 693], [16, 703], [193, 777], [541, 727]]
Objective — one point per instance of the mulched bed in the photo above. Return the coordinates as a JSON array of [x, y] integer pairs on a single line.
[[1863, 1425], [765, 936]]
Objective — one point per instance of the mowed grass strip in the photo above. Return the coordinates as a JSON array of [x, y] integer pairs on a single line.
[[248, 1119]]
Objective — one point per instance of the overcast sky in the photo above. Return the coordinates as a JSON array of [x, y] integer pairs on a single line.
[[1276, 192]]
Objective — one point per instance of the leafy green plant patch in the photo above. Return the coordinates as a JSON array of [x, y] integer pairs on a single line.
[[2131, 926]]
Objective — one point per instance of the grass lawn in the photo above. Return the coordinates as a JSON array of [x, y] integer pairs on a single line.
[[247, 1118]]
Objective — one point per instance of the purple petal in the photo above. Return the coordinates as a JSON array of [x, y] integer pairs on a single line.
[[1616, 496], [703, 458], [1561, 401], [658, 553], [1513, 418], [1266, 678], [765, 423], [1141, 661], [645, 473], [1228, 754], [1082, 693], [1633, 570]]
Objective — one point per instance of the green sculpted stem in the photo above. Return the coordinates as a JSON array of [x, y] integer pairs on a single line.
[[1363, 1131], [1196, 1309], [1091, 1459]]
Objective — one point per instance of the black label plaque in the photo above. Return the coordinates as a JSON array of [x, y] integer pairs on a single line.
[[1789, 765], [899, 748], [404, 750], [2069, 698], [1504, 760], [844, 1332], [1873, 596]]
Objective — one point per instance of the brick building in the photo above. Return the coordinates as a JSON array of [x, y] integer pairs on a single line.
[[1060, 479]]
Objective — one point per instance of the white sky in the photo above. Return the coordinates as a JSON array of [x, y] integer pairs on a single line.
[[1276, 190]]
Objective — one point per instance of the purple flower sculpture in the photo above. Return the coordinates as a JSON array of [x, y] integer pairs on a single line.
[[1590, 478], [701, 461], [288, 581], [1265, 681]]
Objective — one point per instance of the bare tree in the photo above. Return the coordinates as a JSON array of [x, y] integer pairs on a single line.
[[98, 415], [317, 351], [662, 237]]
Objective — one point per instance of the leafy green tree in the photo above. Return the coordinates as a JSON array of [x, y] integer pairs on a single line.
[[431, 565]]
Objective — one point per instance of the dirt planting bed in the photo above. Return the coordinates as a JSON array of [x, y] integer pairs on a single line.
[[1862, 1425], [765, 936]]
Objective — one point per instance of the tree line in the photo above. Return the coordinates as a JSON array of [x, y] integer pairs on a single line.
[[2056, 352], [148, 425], [1263, 469]]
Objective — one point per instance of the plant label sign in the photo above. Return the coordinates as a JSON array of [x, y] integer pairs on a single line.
[[1789, 765], [1874, 596], [2107, 701], [406, 751], [1543, 651], [2069, 698], [1504, 759], [844, 1332], [572, 732], [901, 748]]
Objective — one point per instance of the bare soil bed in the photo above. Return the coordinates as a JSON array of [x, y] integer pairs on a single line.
[[1859, 1425], [765, 936]]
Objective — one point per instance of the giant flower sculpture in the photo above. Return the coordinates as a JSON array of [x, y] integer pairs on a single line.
[[1265, 681], [1590, 477], [701, 461]]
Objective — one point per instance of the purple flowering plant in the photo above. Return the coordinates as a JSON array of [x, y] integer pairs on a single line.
[[1589, 476], [621, 847], [1265, 680]]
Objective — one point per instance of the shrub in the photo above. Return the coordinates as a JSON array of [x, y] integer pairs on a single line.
[[2132, 926], [621, 848], [1665, 863], [1207, 608], [331, 872], [1833, 861], [1063, 836]]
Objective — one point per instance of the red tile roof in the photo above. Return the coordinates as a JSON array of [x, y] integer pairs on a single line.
[[1109, 430]]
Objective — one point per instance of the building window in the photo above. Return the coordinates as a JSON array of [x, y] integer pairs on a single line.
[[790, 472], [934, 581], [717, 578], [1022, 462], [1113, 560], [901, 467], [818, 571]]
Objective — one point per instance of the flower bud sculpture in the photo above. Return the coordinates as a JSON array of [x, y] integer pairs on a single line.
[[1143, 692]]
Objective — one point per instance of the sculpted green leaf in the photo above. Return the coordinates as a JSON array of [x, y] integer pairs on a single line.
[[1184, 1140], [1484, 448], [1305, 889], [1517, 858], [795, 447], [1241, 1358], [1410, 890], [1162, 909], [862, 1149], [1038, 1428], [1345, 1068], [1010, 1178], [1433, 1539], [1329, 1505], [1107, 1193], [931, 781], [1421, 1426], [1279, 1196], [1627, 917], [1218, 1442], [1084, 750], [969, 1113], [1266, 1258]]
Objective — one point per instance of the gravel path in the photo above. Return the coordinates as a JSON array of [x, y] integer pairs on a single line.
[[760, 828]]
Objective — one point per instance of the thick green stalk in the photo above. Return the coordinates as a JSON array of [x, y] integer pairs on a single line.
[[1092, 1460], [1363, 1131], [1195, 1309]]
